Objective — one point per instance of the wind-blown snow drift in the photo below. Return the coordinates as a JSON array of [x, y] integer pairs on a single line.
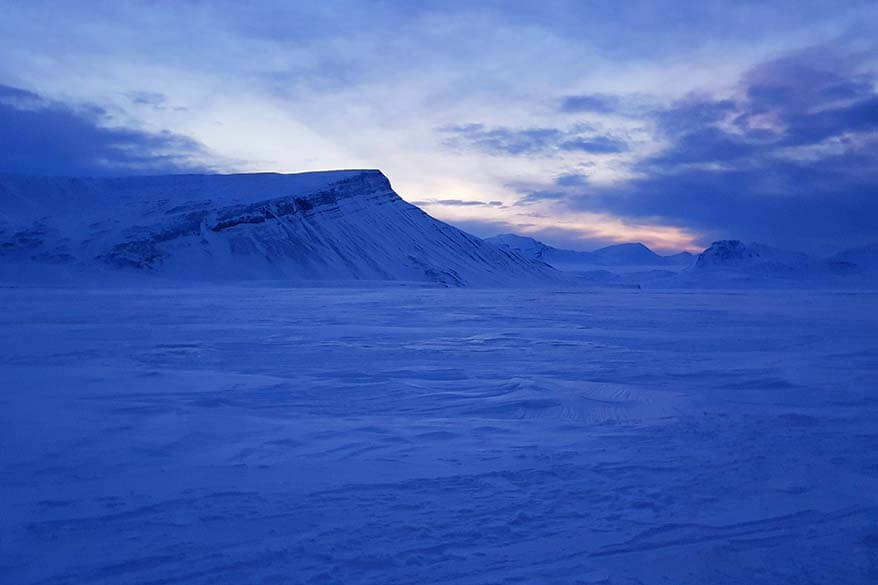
[[335, 225]]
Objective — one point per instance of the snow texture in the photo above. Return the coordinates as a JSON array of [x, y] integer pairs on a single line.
[[398, 435]]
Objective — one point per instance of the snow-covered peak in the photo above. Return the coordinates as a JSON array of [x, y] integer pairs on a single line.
[[726, 253]]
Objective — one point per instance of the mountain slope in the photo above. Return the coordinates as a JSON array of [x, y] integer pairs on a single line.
[[337, 225]]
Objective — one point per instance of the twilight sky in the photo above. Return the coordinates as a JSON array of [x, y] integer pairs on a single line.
[[580, 123]]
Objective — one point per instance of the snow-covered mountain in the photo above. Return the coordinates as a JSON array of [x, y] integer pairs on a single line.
[[756, 258], [633, 254], [863, 259], [335, 225], [732, 262], [619, 255]]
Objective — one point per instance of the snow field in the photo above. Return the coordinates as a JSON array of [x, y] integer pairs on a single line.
[[408, 435]]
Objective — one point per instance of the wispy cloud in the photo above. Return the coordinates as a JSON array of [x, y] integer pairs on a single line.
[[458, 203], [594, 145], [509, 141], [530, 141]]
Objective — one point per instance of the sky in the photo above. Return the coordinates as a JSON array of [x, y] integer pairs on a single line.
[[581, 123]]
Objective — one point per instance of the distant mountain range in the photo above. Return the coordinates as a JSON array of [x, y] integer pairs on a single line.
[[633, 254], [336, 225], [724, 262]]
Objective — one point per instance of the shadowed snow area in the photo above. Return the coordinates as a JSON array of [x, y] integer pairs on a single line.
[[200, 435]]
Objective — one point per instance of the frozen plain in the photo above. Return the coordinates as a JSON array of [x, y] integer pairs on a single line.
[[242, 435]]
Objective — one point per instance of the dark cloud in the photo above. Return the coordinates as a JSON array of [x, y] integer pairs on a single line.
[[793, 159], [693, 113], [594, 145], [562, 188], [810, 128], [530, 141], [502, 140], [801, 80], [786, 205], [597, 103], [706, 144], [542, 195], [148, 98], [21, 98], [571, 180], [39, 136]]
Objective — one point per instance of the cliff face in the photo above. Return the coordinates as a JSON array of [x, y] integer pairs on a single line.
[[338, 225]]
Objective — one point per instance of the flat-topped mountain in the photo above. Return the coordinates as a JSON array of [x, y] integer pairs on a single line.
[[335, 225]]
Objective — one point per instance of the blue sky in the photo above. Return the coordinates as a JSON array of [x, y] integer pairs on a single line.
[[581, 123]]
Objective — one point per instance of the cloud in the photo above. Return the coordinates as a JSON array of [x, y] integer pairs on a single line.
[[458, 203], [530, 141], [541, 195], [594, 145], [342, 83], [563, 187], [39, 136], [598, 103], [792, 158], [148, 98], [571, 180], [502, 140], [20, 98]]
